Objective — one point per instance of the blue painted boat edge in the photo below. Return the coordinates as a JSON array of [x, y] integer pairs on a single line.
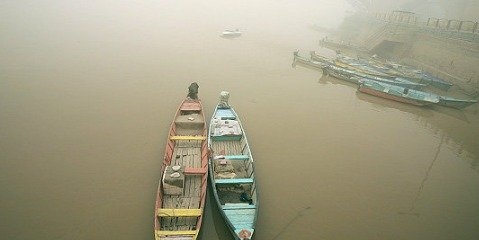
[[212, 179]]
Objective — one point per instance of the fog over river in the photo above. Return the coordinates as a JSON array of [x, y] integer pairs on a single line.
[[88, 91]]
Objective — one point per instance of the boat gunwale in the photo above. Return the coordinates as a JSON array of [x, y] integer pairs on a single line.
[[169, 149], [212, 177]]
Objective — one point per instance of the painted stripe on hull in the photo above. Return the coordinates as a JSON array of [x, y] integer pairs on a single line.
[[391, 97]]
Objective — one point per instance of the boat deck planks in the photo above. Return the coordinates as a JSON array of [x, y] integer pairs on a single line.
[[185, 156], [231, 171]]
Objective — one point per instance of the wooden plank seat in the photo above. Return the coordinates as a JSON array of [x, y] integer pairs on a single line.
[[190, 106], [229, 206], [178, 137], [234, 181], [194, 171], [225, 114], [179, 212], [175, 233], [232, 157]]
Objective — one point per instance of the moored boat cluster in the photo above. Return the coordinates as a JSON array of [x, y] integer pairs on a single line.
[[385, 79]]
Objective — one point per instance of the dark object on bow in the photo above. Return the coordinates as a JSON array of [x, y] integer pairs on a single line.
[[193, 91], [244, 198]]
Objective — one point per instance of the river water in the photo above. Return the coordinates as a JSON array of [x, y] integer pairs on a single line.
[[88, 91]]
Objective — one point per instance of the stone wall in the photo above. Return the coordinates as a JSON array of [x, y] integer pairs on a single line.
[[451, 60]]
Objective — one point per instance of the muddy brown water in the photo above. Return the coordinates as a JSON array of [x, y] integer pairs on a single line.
[[87, 93]]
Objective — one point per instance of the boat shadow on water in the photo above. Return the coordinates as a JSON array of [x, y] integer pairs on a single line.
[[213, 214], [296, 63], [382, 104], [325, 79], [424, 111]]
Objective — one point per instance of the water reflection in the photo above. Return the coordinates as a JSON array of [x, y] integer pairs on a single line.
[[380, 103], [435, 118]]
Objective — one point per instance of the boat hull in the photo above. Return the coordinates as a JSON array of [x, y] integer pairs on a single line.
[[181, 193], [231, 173], [397, 93], [391, 97], [308, 62], [455, 103]]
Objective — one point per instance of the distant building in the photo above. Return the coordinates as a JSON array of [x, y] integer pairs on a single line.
[[457, 9]]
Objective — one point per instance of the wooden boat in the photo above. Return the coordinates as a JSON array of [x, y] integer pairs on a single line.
[[455, 102], [316, 57], [423, 77], [231, 171], [329, 67], [349, 63], [181, 195], [231, 33], [436, 82], [340, 73], [397, 93], [306, 61], [387, 70], [362, 68], [353, 76]]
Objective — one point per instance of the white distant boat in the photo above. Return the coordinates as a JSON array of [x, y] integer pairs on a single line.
[[231, 33]]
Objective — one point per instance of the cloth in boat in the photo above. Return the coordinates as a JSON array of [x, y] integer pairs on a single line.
[[224, 169], [226, 127]]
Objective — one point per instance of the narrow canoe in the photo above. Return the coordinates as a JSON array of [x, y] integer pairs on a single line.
[[362, 68], [436, 82], [354, 76], [306, 61], [181, 194], [397, 93], [455, 102], [231, 171], [316, 57]]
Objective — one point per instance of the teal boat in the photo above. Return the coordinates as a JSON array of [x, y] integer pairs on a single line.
[[435, 81], [397, 93], [316, 57], [455, 102], [351, 64], [329, 67], [419, 75], [307, 61], [354, 76], [231, 171]]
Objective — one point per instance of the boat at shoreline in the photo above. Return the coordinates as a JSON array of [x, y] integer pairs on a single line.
[[231, 171], [181, 194], [385, 69], [397, 93], [455, 102], [375, 84], [399, 70], [307, 61], [316, 57], [353, 76], [329, 67], [350, 64], [411, 96]]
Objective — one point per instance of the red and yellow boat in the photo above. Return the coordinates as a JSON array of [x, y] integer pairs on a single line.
[[181, 195]]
